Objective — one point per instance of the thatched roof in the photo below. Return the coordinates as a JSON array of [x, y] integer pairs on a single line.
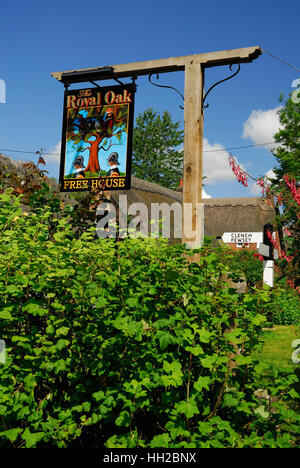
[[8, 165], [220, 214], [246, 214]]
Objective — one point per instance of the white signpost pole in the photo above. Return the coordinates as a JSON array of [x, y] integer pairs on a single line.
[[268, 273], [267, 250]]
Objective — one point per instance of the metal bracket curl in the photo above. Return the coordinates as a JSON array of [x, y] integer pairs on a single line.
[[164, 86], [221, 81]]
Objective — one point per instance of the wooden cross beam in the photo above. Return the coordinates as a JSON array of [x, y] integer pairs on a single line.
[[193, 66]]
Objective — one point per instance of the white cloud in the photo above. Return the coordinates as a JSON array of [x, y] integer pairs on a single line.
[[261, 126], [54, 154], [271, 174], [215, 163], [205, 195], [255, 189]]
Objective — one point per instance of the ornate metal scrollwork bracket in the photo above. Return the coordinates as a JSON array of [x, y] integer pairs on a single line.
[[218, 82], [164, 86]]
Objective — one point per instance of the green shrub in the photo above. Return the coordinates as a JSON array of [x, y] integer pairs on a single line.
[[126, 344], [246, 264], [285, 307]]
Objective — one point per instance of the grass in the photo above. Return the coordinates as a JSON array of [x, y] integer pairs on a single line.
[[276, 351]]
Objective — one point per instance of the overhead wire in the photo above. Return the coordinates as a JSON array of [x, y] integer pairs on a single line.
[[280, 60], [204, 151], [28, 152]]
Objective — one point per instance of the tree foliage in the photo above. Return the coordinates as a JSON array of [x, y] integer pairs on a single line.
[[288, 137], [286, 190], [156, 156]]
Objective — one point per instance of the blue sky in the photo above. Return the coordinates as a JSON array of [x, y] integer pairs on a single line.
[[38, 38]]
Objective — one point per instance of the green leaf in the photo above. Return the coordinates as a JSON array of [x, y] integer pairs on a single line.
[[243, 360], [258, 319], [132, 302], [29, 381], [177, 430], [13, 290], [161, 440], [101, 302], [11, 434], [61, 344], [5, 197], [86, 406], [230, 400], [5, 313], [165, 339], [188, 408], [62, 331], [99, 396], [19, 339], [234, 336], [123, 419], [205, 428], [202, 382], [34, 309], [32, 439], [245, 407], [216, 444], [209, 361], [294, 394], [175, 374], [129, 327], [195, 350], [186, 298], [261, 411], [205, 335], [162, 323], [60, 366]]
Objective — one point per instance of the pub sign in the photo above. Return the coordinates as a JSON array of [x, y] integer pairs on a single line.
[[97, 139]]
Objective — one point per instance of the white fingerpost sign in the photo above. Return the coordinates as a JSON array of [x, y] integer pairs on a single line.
[[242, 237], [264, 245]]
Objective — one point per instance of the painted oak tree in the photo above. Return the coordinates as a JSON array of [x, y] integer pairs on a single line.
[[96, 126]]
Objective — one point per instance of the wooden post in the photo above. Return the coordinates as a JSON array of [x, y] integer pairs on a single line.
[[193, 148]]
